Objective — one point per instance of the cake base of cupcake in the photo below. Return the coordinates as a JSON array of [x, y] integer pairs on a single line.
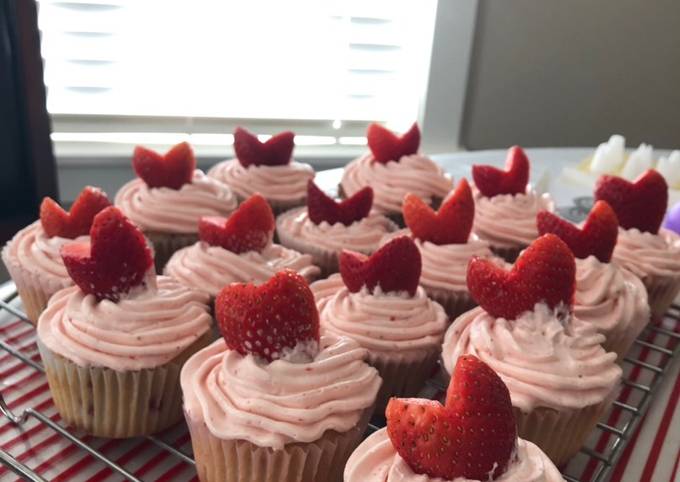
[[117, 404], [165, 245], [661, 291], [219, 460]]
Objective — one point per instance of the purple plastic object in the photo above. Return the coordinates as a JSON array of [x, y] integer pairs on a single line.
[[672, 220]]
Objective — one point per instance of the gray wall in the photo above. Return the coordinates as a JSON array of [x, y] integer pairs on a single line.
[[570, 73]]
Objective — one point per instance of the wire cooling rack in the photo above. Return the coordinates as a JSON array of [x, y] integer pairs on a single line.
[[36, 446]]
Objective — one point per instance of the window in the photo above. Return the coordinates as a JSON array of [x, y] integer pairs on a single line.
[[122, 72]]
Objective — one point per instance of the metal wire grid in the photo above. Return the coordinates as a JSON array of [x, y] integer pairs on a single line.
[[644, 369]]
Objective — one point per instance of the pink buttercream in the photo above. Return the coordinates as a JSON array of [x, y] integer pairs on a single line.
[[647, 254], [415, 174], [509, 220], [363, 236], [276, 183], [148, 328], [273, 404], [376, 460], [541, 361], [381, 322], [210, 268], [175, 210]]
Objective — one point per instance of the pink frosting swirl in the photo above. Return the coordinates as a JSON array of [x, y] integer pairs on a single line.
[[541, 361], [363, 236], [277, 183], [509, 220], [647, 254], [210, 268], [376, 460], [175, 210], [381, 322], [33, 250], [415, 174], [145, 330], [239, 397], [610, 298]]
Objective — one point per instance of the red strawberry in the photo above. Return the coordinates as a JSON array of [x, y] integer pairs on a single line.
[[264, 320], [386, 146], [321, 207], [249, 228], [472, 436], [115, 260], [394, 267], [173, 170], [450, 225], [640, 204], [492, 181], [57, 222], [544, 272], [597, 237], [277, 151]]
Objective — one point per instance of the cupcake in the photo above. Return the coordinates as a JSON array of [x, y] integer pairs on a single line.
[[114, 344], [236, 249], [506, 205], [650, 253], [326, 227], [377, 302], [273, 400], [266, 168], [472, 437], [561, 380], [609, 297], [393, 167], [32, 255], [168, 198]]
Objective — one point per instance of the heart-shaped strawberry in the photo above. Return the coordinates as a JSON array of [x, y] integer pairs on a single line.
[[276, 151], [394, 267], [545, 272], [172, 170], [472, 436], [597, 237], [114, 261], [321, 207], [451, 224], [640, 204], [387, 146], [249, 228], [492, 181], [268, 319], [57, 222]]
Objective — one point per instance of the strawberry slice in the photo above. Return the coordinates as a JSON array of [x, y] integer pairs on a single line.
[[387, 146], [450, 225], [321, 207], [473, 436], [640, 204], [394, 267], [57, 222], [172, 170], [249, 228], [544, 272], [276, 151], [492, 181], [265, 320], [597, 237], [114, 261]]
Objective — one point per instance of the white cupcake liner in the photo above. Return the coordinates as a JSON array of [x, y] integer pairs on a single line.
[[219, 460], [117, 404], [166, 244], [619, 341], [662, 291]]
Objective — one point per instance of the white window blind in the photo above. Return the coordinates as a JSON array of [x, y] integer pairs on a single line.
[[151, 71]]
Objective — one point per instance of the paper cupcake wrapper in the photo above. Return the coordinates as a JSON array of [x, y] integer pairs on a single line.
[[117, 404], [165, 245], [509, 254], [402, 377], [560, 434], [324, 460], [325, 259], [620, 341], [455, 303], [35, 289], [662, 291], [278, 206]]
